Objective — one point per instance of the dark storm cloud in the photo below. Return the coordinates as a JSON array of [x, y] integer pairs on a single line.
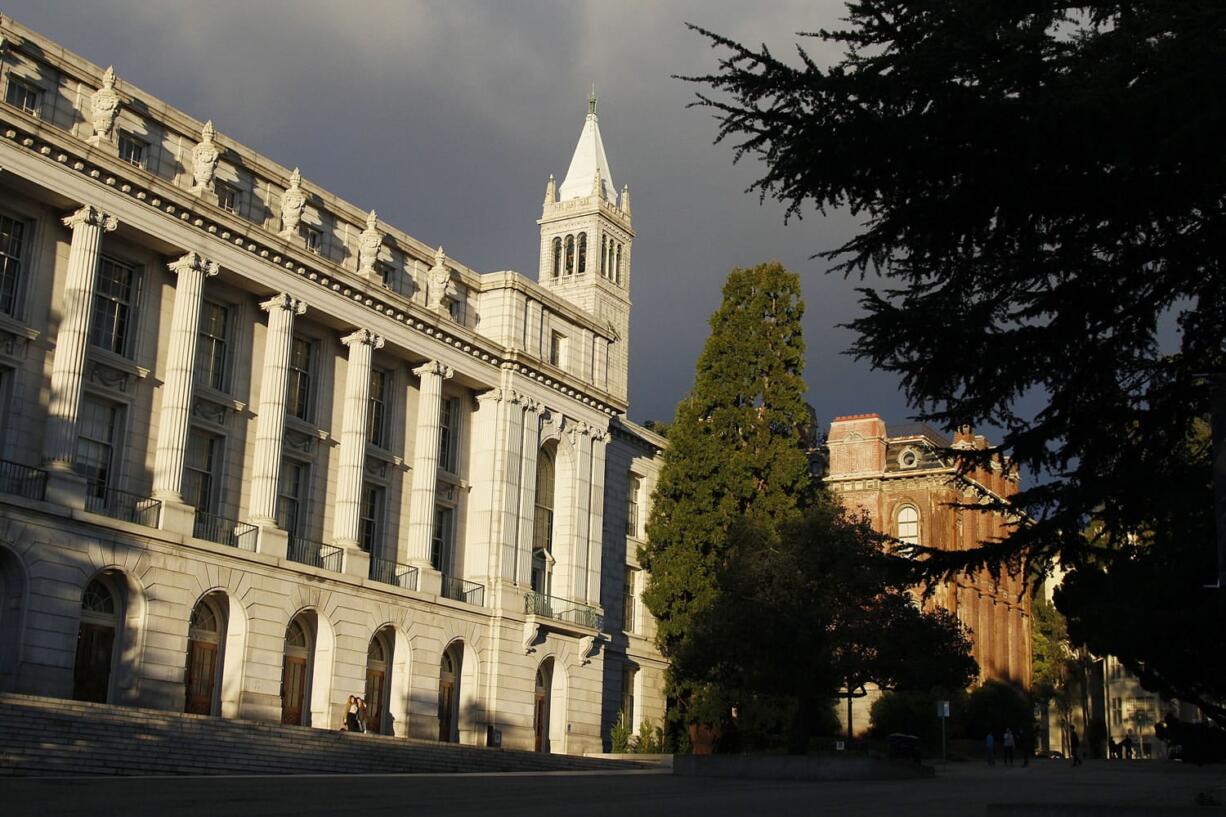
[[448, 117]]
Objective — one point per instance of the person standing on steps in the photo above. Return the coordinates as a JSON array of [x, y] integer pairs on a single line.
[[1009, 743], [1074, 743], [351, 714], [362, 715]]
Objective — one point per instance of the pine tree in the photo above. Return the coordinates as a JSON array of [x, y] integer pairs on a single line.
[[737, 448]]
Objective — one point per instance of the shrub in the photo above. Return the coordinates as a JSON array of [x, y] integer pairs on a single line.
[[619, 735]]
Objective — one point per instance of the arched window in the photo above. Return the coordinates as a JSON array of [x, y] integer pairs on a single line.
[[557, 257], [908, 525], [378, 679], [101, 613], [205, 636], [582, 253], [541, 706], [542, 532], [604, 255], [570, 255]]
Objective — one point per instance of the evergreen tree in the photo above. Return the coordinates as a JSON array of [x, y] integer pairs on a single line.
[[737, 447]]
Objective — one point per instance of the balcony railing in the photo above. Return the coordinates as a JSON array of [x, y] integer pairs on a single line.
[[22, 480], [563, 610], [465, 591], [393, 573], [125, 505], [316, 554], [224, 531]]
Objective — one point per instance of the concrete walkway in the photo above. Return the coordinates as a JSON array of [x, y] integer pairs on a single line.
[[958, 789]]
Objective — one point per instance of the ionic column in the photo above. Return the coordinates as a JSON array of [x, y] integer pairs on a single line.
[[529, 448], [425, 460], [192, 269], [347, 530], [68, 367], [270, 425]]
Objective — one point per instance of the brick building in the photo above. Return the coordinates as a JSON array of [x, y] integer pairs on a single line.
[[900, 477]]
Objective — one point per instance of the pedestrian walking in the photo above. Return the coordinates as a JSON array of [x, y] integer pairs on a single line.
[[990, 745], [1009, 742], [1074, 743], [351, 714], [1127, 747]]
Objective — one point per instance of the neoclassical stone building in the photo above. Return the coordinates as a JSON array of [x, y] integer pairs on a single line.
[[262, 451], [898, 475]]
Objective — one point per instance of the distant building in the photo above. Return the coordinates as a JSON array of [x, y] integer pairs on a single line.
[[899, 477], [263, 451]]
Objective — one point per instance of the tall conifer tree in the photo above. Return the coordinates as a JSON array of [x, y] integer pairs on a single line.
[[736, 449]]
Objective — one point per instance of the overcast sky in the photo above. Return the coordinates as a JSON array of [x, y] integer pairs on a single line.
[[448, 117]]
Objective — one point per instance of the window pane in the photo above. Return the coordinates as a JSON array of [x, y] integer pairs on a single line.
[[22, 96], [12, 236], [449, 434], [440, 546], [211, 346], [371, 513], [301, 365], [376, 421], [112, 306], [200, 466]]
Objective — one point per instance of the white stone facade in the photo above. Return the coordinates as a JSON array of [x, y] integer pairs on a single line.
[[262, 452]]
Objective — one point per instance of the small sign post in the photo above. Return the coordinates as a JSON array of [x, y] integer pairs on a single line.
[[943, 714]]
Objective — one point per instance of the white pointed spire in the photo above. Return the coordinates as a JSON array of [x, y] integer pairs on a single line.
[[588, 162]]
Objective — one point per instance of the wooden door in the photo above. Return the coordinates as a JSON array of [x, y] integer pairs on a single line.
[[374, 701], [446, 709], [92, 673], [293, 689], [201, 676], [538, 722]]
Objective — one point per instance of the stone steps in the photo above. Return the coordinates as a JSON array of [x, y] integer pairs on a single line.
[[50, 736]]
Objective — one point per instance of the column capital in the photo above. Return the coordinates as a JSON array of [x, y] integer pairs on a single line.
[[194, 261], [434, 367], [363, 336], [284, 301], [496, 394], [91, 215]]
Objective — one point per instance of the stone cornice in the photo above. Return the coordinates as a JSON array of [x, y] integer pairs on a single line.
[[60, 148]]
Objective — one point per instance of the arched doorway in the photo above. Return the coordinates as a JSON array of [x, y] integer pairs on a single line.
[[206, 636], [97, 636], [541, 706], [296, 669], [12, 607], [378, 681], [542, 533], [449, 694]]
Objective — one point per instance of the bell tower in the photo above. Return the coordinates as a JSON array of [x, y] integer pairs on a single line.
[[585, 244]]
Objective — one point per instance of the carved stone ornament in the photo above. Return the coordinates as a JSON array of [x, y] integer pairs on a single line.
[[588, 646], [292, 205], [204, 160], [442, 291], [551, 191], [104, 107], [532, 631], [211, 411], [625, 202], [369, 243], [109, 377], [299, 441], [13, 345]]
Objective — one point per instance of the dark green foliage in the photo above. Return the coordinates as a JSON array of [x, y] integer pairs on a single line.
[[995, 707], [736, 447], [915, 713], [1041, 186], [811, 607]]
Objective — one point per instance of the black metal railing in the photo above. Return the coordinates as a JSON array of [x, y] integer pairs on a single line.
[[393, 573], [22, 480], [465, 591], [563, 610], [214, 528], [125, 505], [316, 554]]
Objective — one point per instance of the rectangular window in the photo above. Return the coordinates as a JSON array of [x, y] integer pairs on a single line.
[[634, 486], [203, 458], [557, 349], [97, 435], [312, 239], [1117, 711], [114, 298], [301, 370], [23, 96], [227, 196], [371, 518], [292, 496], [12, 244], [211, 345], [132, 150], [629, 598], [449, 435], [629, 677], [376, 420], [386, 273], [443, 541], [456, 309]]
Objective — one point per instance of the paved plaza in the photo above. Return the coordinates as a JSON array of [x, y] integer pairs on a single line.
[[962, 789]]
